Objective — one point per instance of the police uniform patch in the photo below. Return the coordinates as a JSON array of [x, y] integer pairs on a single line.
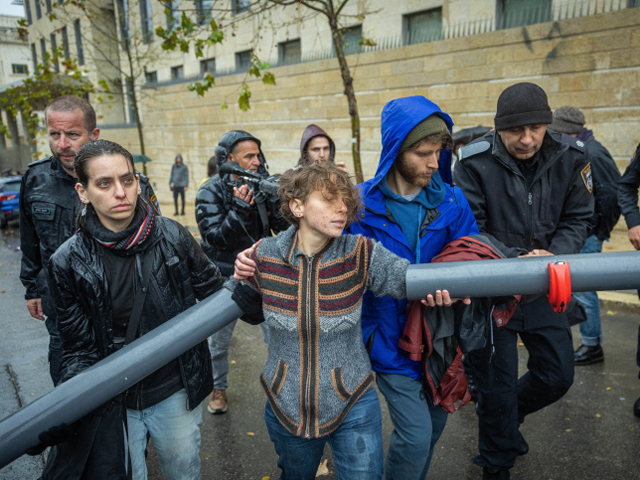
[[154, 201], [587, 178]]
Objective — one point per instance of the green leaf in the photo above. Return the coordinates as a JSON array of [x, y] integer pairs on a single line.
[[243, 98], [223, 106], [264, 65], [268, 78], [254, 71], [367, 42]]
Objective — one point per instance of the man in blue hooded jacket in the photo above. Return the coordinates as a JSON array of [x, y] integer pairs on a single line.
[[414, 212]]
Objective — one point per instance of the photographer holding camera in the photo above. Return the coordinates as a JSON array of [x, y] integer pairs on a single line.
[[233, 211]]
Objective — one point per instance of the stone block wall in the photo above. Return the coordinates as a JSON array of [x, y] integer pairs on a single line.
[[592, 63]]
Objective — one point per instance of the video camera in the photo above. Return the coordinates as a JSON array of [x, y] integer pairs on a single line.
[[265, 191]]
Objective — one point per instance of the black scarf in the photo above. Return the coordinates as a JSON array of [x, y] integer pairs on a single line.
[[131, 239]]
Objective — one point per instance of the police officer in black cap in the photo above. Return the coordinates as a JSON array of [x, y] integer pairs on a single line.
[[530, 189]]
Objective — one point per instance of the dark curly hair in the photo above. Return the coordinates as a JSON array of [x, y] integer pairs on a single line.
[[334, 184]]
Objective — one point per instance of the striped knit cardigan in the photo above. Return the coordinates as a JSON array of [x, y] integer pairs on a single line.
[[318, 366]]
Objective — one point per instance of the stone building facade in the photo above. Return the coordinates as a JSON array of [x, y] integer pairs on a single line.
[[459, 53]]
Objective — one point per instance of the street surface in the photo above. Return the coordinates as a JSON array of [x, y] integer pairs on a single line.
[[590, 434]]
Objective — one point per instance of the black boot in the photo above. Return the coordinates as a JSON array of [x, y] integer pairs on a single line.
[[586, 355], [495, 474]]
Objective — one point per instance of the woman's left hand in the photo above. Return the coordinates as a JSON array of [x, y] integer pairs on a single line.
[[442, 299]]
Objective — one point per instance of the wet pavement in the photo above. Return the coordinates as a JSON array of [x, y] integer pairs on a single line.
[[589, 434]]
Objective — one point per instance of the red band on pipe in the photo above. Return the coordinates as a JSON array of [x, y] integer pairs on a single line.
[[559, 286]]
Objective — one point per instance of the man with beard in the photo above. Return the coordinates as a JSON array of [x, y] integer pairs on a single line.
[[229, 221], [49, 205], [413, 213]]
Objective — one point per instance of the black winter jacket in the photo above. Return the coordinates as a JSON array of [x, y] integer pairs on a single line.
[[605, 190], [180, 274], [628, 191], [48, 208], [226, 232], [554, 214]]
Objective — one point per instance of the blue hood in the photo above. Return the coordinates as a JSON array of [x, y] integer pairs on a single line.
[[399, 117]]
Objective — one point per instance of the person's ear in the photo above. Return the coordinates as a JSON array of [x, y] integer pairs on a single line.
[[95, 134], [297, 207], [82, 193]]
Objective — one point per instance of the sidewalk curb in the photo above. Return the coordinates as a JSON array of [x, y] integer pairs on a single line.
[[619, 302]]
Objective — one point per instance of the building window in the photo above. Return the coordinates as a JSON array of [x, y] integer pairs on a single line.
[[79, 48], [239, 6], [151, 77], [47, 4], [243, 60], [203, 11], [177, 72], [43, 50], [208, 66], [54, 51], [351, 38], [19, 69], [38, 9], [123, 18], [132, 108], [65, 42], [146, 21], [289, 52], [27, 8], [421, 27], [34, 56], [518, 13], [172, 13]]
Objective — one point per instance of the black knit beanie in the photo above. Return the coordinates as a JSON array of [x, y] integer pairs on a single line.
[[522, 104]]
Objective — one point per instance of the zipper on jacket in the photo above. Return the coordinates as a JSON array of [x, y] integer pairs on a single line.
[[530, 223], [308, 322]]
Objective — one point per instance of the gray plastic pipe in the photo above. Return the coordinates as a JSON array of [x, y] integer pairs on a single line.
[[524, 276], [87, 391]]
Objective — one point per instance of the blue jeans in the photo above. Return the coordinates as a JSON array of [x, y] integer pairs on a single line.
[[219, 347], [356, 444], [417, 423], [591, 330], [176, 438]]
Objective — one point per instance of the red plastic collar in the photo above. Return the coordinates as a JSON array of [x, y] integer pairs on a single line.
[[559, 286]]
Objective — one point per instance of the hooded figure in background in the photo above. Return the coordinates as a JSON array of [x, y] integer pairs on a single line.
[[413, 211], [229, 222], [179, 181], [317, 146]]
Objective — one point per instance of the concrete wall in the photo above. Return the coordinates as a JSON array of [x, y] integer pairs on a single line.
[[592, 63]]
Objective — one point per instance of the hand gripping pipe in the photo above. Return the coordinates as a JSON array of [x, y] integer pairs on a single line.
[[88, 390], [85, 392]]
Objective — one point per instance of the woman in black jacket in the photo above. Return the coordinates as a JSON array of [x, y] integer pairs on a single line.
[[121, 247]]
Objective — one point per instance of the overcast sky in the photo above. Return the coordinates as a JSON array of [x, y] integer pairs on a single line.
[[7, 9]]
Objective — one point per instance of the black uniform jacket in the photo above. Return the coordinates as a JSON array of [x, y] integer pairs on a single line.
[[180, 274], [628, 191], [48, 208], [605, 190], [554, 214]]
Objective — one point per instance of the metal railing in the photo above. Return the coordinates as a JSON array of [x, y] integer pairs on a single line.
[[85, 392]]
